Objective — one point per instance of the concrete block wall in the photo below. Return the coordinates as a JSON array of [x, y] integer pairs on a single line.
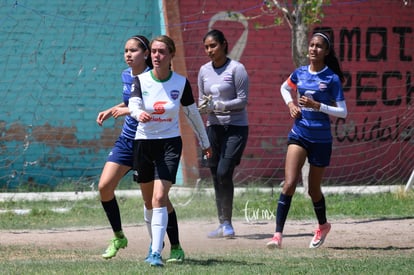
[[61, 65]]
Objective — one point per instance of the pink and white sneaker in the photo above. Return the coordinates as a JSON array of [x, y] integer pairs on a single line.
[[320, 235], [275, 242]]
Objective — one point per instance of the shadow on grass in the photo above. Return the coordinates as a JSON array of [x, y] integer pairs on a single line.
[[385, 219], [387, 248], [269, 236], [213, 262]]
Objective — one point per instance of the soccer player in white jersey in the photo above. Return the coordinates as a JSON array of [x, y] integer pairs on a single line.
[[319, 91], [120, 158], [155, 102]]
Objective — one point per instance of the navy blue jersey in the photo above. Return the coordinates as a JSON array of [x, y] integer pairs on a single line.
[[130, 124], [323, 86]]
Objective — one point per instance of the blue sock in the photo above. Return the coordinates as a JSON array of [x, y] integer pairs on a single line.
[[320, 210], [283, 207]]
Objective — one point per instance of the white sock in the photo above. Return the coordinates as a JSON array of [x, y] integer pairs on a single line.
[[159, 228], [148, 219]]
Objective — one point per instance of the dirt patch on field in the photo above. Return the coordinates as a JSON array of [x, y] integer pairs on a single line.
[[374, 235]]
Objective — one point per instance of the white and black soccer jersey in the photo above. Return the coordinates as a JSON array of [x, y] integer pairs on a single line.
[[228, 84], [161, 99], [324, 87]]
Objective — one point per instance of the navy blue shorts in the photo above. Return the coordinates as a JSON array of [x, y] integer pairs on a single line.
[[122, 151], [157, 159], [319, 154]]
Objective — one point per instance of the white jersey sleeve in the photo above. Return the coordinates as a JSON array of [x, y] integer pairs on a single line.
[[194, 119]]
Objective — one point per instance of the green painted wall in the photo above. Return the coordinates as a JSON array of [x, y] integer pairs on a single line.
[[60, 64]]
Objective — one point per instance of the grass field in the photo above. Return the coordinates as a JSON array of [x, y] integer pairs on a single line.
[[85, 228]]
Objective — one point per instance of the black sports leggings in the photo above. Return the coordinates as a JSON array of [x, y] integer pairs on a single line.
[[228, 143], [224, 189]]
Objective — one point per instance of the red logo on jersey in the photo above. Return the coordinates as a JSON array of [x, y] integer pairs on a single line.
[[159, 107]]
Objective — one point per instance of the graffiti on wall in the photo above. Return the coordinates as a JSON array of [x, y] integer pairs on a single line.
[[376, 57], [374, 88], [237, 51]]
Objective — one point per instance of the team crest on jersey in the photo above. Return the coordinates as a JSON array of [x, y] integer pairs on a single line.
[[322, 86], [159, 107], [228, 78], [174, 94]]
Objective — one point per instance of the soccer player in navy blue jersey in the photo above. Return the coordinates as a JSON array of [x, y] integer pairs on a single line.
[[318, 87], [120, 159]]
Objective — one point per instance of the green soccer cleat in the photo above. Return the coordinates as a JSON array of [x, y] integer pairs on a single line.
[[114, 246], [177, 255]]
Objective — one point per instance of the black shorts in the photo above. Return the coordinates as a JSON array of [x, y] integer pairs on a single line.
[[156, 159], [227, 142]]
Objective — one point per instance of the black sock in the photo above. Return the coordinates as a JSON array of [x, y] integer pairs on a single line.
[[283, 207], [112, 212], [320, 210], [172, 229]]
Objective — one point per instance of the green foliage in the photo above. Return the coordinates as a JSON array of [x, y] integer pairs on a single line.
[[307, 12], [310, 11], [278, 21]]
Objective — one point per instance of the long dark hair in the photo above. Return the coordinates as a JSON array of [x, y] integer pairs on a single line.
[[144, 45], [331, 60]]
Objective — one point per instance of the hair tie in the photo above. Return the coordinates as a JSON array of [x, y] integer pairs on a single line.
[[325, 37], [142, 42]]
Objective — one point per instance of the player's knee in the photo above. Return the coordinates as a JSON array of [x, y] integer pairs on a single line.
[[159, 201], [103, 187], [315, 194], [225, 176]]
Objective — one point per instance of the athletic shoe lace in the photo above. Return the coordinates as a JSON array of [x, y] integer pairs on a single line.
[[318, 234]]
